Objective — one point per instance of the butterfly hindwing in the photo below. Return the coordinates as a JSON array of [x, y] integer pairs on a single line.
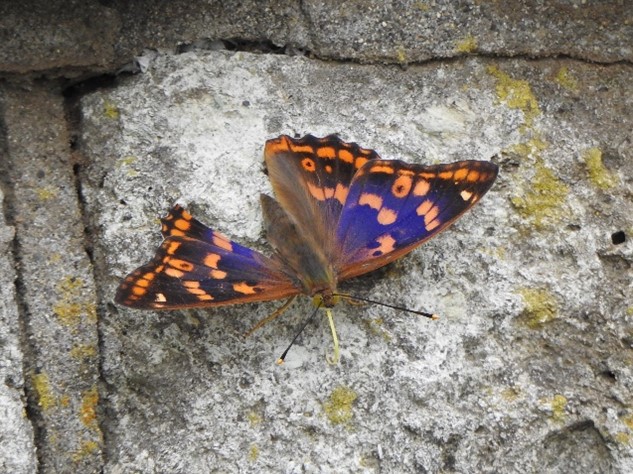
[[392, 207], [197, 267]]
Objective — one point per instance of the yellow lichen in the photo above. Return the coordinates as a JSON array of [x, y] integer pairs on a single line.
[[254, 418], [558, 404], [599, 175], [72, 306], [516, 94], [422, 6], [253, 453], [338, 408], [375, 327], [623, 438], [46, 193], [88, 410], [540, 307], [510, 394], [628, 421], [542, 201], [45, 397], [64, 401], [87, 447], [529, 149], [127, 160], [566, 80], [466, 45], [110, 110], [401, 55], [68, 313], [83, 351]]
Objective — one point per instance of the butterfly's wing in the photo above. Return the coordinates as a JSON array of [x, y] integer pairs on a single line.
[[311, 178], [392, 207], [197, 267]]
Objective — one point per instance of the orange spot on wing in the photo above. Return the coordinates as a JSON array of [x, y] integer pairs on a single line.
[[308, 164], [387, 244], [182, 224], [346, 156], [429, 227], [217, 274], [244, 288], [279, 145], [174, 273], [301, 148], [473, 176], [423, 208], [328, 169], [138, 291], [176, 233], [142, 282], [427, 175], [386, 216], [211, 260], [401, 186], [460, 174], [181, 264], [381, 169], [446, 175], [326, 152], [340, 193], [172, 247], [191, 284], [430, 216], [196, 291], [317, 192], [205, 297], [372, 200], [359, 162], [421, 188], [222, 242]]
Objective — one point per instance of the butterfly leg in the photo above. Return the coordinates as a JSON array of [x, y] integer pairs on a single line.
[[336, 356], [274, 315]]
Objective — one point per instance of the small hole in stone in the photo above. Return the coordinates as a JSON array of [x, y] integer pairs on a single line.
[[618, 237]]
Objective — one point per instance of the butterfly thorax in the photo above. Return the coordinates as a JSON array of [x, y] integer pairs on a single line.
[[302, 259]]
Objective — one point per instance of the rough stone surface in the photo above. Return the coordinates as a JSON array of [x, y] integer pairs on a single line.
[[69, 38], [16, 433], [56, 283], [529, 367]]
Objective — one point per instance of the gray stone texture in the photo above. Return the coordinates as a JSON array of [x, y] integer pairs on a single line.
[[528, 368]]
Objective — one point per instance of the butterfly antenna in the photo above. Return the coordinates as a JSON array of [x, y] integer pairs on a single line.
[[303, 326], [380, 303]]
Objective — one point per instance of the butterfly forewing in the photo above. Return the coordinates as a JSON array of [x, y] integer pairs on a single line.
[[392, 207], [197, 267], [311, 177]]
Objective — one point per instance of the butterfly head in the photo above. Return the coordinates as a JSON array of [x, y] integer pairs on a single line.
[[325, 299]]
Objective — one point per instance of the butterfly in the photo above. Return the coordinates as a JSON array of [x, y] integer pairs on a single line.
[[339, 211]]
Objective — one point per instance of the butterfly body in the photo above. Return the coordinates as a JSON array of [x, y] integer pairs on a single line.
[[340, 211]]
